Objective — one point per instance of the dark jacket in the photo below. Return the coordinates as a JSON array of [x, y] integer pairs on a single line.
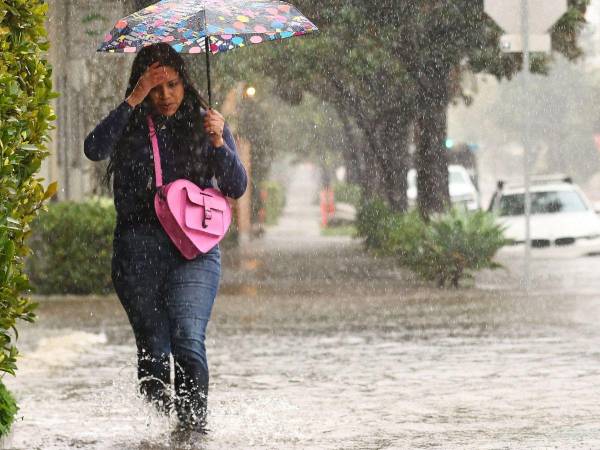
[[134, 182]]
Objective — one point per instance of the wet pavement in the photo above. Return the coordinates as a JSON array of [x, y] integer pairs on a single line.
[[314, 344]]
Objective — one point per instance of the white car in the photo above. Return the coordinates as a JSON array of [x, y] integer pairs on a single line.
[[463, 192], [560, 214]]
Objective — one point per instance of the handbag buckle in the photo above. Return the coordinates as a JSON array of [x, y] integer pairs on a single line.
[[207, 216]]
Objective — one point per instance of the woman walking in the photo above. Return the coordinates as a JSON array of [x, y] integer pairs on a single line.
[[168, 299]]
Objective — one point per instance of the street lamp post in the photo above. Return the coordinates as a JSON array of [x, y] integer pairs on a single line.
[[526, 141], [537, 17]]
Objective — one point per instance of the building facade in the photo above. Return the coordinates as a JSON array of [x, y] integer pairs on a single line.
[[89, 85]]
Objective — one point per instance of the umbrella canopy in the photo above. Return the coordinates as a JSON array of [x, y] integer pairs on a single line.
[[185, 24]]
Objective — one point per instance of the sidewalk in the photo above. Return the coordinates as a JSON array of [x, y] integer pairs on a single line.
[[295, 255], [299, 226]]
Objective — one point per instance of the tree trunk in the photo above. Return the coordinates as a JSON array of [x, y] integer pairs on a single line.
[[392, 156], [351, 153], [432, 129], [373, 178]]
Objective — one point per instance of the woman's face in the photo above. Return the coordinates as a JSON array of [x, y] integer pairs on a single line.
[[167, 97]]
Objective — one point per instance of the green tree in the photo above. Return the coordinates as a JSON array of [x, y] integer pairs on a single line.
[[25, 93], [354, 74], [428, 45], [437, 41]]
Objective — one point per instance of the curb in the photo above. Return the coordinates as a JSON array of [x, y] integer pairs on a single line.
[[72, 298]]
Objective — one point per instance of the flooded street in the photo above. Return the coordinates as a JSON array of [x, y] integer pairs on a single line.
[[314, 344]]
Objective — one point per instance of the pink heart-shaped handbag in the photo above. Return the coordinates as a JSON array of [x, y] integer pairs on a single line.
[[195, 219]]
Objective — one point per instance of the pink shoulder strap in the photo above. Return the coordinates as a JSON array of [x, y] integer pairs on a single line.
[[155, 152]]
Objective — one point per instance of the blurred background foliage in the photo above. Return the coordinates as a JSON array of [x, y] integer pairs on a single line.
[[72, 248], [390, 70]]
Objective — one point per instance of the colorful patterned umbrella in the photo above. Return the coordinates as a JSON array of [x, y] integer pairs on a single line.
[[185, 25]]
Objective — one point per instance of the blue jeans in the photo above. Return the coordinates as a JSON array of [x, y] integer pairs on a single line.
[[168, 301]]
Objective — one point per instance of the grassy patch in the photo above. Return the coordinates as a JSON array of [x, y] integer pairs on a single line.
[[341, 230]]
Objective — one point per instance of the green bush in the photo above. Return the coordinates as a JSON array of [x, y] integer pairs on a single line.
[[25, 114], [72, 248], [8, 410], [374, 222], [347, 193], [385, 232], [446, 249], [274, 202], [457, 244]]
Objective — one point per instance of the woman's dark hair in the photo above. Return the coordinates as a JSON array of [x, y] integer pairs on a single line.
[[186, 121]]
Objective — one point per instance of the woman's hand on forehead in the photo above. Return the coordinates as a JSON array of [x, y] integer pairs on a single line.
[[158, 73], [154, 75]]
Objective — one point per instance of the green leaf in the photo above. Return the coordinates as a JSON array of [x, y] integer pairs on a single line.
[[29, 147], [51, 190]]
